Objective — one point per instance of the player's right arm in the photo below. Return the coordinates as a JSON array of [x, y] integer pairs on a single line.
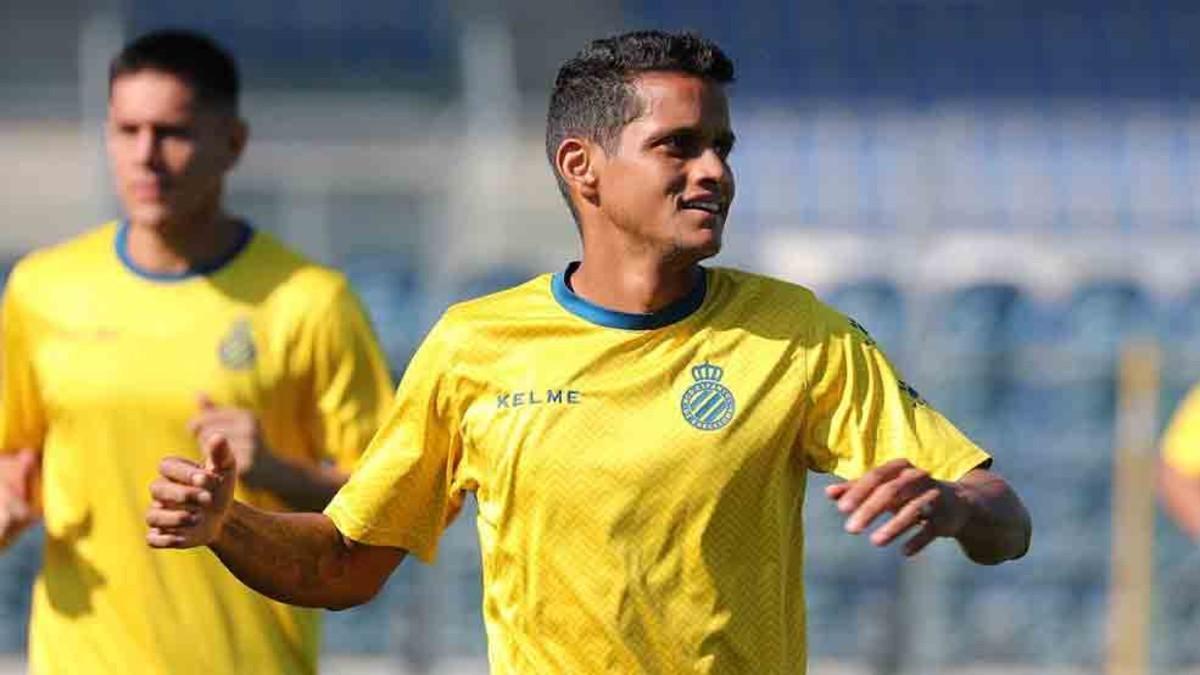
[[296, 558], [19, 503]]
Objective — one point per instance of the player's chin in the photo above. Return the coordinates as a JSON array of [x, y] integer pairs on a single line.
[[699, 245], [151, 214], [707, 237]]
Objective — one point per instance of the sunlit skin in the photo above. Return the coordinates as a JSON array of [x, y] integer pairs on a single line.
[[643, 233], [169, 153]]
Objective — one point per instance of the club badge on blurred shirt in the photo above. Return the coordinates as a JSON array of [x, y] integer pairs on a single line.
[[237, 347]]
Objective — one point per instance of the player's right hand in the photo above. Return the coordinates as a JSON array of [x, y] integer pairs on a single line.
[[189, 502], [18, 499]]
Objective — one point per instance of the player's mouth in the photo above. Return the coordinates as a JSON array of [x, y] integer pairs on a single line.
[[712, 205], [147, 190]]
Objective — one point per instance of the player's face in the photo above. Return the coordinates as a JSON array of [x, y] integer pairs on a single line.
[[169, 154], [669, 183]]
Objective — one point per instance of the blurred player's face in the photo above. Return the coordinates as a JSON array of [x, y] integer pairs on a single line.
[[169, 153], [668, 182]]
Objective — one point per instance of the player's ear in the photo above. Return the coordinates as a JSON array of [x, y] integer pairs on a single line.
[[238, 134], [577, 162]]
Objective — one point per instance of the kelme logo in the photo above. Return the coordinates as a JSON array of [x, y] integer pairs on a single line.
[[236, 350], [707, 404]]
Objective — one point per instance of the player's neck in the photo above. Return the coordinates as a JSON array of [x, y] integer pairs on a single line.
[[179, 248], [634, 286]]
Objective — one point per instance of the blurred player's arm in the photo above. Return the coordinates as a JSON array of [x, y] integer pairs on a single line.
[[296, 558], [1180, 495], [349, 395], [302, 485], [980, 510], [1179, 467], [20, 505]]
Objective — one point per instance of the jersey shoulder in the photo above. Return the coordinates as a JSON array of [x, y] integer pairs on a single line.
[[286, 275], [74, 260], [766, 301], [505, 309]]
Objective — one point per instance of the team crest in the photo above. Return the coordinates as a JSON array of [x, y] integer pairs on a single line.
[[237, 347], [708, 404]]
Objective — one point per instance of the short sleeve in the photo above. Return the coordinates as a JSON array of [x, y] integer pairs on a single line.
[[23, 422], [351, 383], [1181, 442], [860, 414], [404, 492]]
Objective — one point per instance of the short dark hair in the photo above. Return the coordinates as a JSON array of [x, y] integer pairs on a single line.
[[193, 57], [594, 96]]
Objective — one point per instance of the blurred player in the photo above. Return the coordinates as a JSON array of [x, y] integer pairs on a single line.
[[1179, 474], [636, 429], [140, 339]]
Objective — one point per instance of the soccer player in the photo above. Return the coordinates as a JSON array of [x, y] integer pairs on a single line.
[[636, 429], [1179, 471], [142, 338]]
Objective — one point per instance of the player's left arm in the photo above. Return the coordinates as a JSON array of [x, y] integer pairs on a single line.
[[898, 455], [980, 510]]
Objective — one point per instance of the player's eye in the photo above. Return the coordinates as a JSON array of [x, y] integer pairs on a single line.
[[681, 145], [174, 132]]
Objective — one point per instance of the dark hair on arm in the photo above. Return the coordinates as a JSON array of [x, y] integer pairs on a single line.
[[594, 95], [193, 57]]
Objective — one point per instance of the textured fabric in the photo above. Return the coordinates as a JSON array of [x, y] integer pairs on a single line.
[[102, 368], [639, 491]]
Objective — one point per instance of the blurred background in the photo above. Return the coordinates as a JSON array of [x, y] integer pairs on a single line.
[[1004, 193]]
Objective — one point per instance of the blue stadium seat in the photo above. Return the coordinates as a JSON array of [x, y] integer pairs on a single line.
[[490, 281], [18, 568], [1179, 331], [391, 293], [970, 345], [878, 305]]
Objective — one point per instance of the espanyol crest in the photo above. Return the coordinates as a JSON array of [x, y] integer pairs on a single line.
[[707, 404], [236, 350]]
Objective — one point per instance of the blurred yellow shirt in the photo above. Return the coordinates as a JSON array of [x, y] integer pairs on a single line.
[[1181, 442], [102, 366], [639, 478]]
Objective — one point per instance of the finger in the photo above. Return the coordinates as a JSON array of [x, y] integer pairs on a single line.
[[187, 472], [205, 402], [214, 420], [173, 493], [888, 497], [861, 488], [218, 456], [912, 514], [836, 491], [159, 539], [921, 539], [163, 518]]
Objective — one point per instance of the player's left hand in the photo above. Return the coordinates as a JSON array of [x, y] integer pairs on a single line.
[[933, 507], [241, 430]]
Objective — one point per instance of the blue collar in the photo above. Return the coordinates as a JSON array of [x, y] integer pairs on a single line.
[[677, 311], [122, 245]]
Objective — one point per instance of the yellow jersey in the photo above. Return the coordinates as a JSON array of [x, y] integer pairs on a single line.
[[639, 477], [102, 367], [1181, 442]]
